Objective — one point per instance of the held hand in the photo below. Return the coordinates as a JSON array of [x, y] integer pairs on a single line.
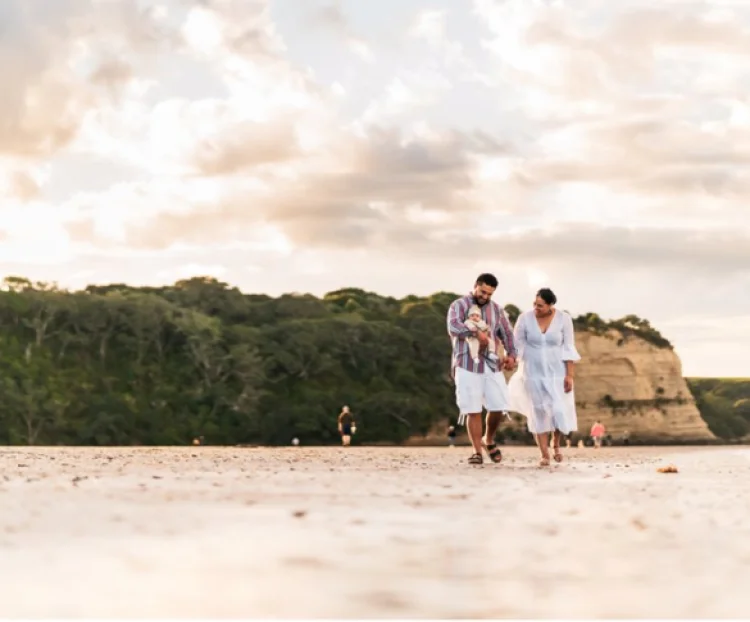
[[568, 384], [510, 363]]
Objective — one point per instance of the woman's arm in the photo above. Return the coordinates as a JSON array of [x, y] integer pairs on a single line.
[[519, 336], [570, 369], [569, 353]]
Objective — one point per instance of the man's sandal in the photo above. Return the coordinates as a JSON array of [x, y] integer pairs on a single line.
[[476, 459], [493, 452], [544, 462]]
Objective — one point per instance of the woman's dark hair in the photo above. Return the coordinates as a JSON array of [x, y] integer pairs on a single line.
[[547, 295]]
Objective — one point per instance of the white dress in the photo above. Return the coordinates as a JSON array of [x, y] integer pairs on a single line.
[[537, 388]]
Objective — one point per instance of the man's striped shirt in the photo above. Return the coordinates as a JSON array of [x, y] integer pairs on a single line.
[[499, 326]]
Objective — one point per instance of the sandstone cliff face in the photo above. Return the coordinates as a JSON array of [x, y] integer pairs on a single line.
[[634, 388]]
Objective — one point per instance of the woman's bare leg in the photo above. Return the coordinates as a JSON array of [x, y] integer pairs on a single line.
[[542, 440], [557, 454]]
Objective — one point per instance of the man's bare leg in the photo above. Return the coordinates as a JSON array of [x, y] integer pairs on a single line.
[[474, 429], [493, 423]]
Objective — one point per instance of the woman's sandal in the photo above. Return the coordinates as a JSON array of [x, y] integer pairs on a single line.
[[493, 452], [476, 459], [557, 455]]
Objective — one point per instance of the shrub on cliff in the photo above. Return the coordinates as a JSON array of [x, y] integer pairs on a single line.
[[628, 326]]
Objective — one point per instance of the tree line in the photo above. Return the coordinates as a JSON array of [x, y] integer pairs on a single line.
[[724, 404], [121, 365]]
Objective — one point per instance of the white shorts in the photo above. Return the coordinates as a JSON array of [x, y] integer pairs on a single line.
[[474, 391]]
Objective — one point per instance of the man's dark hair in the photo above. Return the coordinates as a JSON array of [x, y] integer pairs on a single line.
[[487, 279]]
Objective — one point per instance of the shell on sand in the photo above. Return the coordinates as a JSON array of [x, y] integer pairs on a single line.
[[668, 469]]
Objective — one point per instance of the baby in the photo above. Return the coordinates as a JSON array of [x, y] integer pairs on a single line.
[[475, 321]]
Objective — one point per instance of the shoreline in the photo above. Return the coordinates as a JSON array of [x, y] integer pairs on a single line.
[[384, 445]]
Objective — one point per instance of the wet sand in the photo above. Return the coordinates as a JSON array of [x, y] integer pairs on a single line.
[[373, 533]]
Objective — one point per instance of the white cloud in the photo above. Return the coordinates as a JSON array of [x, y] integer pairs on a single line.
[[405, 94], [430, 26], [362, 50], [189, 270], [600, 149]]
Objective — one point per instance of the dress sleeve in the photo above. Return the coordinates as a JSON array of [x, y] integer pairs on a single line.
[[519, 336], [569, 352]]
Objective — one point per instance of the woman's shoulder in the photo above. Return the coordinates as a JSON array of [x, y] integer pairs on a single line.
[[565, 320]]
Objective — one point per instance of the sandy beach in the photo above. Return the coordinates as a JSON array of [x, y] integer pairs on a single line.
[[372, 532]]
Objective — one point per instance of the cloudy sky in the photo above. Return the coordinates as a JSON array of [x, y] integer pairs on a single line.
[[597, 147]]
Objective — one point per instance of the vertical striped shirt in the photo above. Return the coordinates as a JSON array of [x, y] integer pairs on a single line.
[[500, 330]]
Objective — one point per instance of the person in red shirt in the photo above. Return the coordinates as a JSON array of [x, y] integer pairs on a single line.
[[597, 434]]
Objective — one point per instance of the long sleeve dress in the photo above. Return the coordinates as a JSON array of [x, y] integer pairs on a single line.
[[537, 388]]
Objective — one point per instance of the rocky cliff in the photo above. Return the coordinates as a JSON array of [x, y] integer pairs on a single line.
[[635, 388]]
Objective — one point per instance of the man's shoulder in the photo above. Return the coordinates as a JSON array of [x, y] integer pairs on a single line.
[[461, 301]]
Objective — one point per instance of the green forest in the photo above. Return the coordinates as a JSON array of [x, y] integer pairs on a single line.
[[724, 404], [121, 365]]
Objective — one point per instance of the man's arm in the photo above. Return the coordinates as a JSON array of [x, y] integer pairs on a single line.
[[504, 332], [456, 326]]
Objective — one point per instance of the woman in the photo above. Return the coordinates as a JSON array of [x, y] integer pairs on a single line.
[[542, 389]]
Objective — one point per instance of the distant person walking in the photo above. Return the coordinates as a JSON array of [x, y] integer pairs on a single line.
[[542, 390], [597, 433], [481, 384], [346, 426], [452, 435]]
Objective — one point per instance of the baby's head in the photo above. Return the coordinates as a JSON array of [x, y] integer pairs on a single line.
[[475, 313]]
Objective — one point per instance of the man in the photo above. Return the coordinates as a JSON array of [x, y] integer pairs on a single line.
[[481, 383], [597, 434], [346, 425]]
